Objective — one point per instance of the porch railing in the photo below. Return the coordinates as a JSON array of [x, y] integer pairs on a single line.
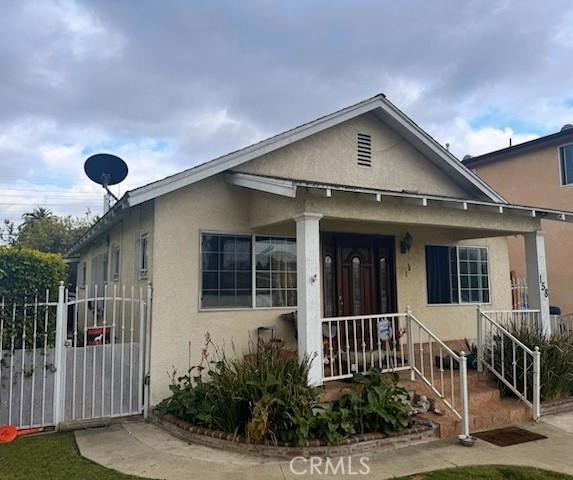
[[396, 342], [357, 344], [443, 370], [517, 366]]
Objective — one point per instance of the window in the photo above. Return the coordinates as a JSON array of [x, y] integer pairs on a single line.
[[566, 158], [275, 260], [115, 263], [457, 274], [82, 274], [142, 256], [364, 149], [226, 271], [99, 272], [246, 271]]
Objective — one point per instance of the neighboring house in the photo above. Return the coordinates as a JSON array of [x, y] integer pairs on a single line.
[[358, 212], [540, 173]]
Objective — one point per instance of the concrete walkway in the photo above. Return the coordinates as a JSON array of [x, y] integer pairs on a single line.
[[145, 450]]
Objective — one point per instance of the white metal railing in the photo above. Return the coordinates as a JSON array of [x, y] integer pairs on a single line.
[[443, 370], [356, 344], [396, 342], [562, 323], [517, 366], [79, 356], [519, 293], [521, 318]]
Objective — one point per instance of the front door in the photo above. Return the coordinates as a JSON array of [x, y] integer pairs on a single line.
[[358, 274]]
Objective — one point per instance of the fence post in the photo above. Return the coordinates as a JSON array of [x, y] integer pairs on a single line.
[[59, 359], [536, 384], [147, 350], [465, 435], [479, 340], [410, 333]]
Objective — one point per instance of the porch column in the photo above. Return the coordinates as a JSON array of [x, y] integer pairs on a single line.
[[537, 291], [308, 292]]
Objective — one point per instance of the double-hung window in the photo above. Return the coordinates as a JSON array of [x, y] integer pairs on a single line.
[[457, 274], [246, 271], [566, 159]]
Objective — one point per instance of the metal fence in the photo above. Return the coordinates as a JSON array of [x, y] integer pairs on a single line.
[[80, 356]]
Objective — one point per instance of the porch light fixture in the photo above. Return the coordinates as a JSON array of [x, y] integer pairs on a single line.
[[406, 243]]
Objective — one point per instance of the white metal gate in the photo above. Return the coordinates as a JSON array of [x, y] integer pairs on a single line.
[[78, 357]]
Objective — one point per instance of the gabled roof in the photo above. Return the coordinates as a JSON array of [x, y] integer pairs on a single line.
[[378, 105], [554, 139]]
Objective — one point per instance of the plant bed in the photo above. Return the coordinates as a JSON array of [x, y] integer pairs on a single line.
[[419, 432], [263, 398]]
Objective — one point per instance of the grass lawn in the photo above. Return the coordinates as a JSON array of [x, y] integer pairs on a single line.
[[53, 456], [490, 472]]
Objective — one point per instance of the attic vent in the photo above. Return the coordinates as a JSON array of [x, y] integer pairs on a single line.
[[364, 149]]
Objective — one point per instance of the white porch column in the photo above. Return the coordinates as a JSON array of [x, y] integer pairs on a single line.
[[537, 290], [308, 292]]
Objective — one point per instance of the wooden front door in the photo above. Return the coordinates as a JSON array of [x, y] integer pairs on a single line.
[[358, 275]]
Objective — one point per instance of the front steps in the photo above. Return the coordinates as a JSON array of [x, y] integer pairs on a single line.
[[488, 410]]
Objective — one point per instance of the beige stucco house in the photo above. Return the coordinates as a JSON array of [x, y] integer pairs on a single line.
[[359, 212], [540, 173]]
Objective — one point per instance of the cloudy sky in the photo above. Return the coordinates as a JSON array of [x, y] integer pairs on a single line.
[[169, 84]]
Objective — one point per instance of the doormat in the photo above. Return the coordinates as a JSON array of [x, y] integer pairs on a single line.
[[505, 437]]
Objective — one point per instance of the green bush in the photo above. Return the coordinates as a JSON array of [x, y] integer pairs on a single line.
[[26, 272], [25, 275], [265, 396], [374, 403], [556, 361]]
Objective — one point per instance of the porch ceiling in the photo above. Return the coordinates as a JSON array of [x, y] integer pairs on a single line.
[[289, 188]]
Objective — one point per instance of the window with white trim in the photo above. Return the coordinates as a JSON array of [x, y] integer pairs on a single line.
[[115, 263], [566, 159], [142, 256], [247, 271], [457, 274], [275, 264]]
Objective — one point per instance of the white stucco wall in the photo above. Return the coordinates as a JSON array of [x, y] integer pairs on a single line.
[[330, 156]]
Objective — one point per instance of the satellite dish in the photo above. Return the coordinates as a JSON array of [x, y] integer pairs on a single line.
[[106, 169], [567, 126], [466, 157]]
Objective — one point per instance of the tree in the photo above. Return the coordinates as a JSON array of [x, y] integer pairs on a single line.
[[42, 230]]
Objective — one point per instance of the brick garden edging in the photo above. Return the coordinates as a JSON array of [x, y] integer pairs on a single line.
[[557, 406], [368, 442]]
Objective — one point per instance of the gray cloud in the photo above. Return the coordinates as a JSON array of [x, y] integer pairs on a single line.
[[169, 85]]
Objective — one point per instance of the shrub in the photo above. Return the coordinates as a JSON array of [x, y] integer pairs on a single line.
[[27, 272], [263, 395], [24, 275], [374, 403]]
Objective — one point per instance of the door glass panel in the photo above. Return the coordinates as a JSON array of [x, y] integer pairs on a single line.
[[356, 287], [383, 285], [329, 303]]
